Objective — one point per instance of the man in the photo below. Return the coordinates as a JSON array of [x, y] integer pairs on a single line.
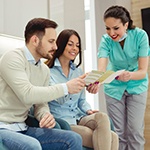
[[24, 81]]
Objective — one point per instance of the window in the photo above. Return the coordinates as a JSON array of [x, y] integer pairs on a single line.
[[90, 53]]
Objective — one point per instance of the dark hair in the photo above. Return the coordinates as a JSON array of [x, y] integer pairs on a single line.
[[37, 26], [61, 42], [119, 12]]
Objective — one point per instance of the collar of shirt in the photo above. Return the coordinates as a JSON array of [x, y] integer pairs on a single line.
[[57, 64], [29, 57]]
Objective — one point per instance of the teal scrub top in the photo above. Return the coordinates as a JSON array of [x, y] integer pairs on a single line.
[[136, 45]]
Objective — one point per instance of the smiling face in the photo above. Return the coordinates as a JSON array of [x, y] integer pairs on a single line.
[[115, 28], [72, 48]]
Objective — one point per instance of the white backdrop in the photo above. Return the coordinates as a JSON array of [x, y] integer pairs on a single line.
[[8, 43]]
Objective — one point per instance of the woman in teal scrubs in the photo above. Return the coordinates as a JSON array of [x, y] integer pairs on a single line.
[[125, 47]]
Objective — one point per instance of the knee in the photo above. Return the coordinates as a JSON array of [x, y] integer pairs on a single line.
[[115, 137], [115, 140], [135, 131], [75, 138], [102, 117], [34, 145]]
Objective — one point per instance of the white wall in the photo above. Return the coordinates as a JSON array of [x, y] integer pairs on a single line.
[[15, 14], [2, 16], [8, 43], [69, 14]]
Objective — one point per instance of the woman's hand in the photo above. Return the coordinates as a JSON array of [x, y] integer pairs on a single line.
[[125, 76], [89, 112], [93, 88]]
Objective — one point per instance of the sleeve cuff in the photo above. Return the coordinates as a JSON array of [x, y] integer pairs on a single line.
[[65, 88]]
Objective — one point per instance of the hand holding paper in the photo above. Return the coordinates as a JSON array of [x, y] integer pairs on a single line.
[[101, 77]]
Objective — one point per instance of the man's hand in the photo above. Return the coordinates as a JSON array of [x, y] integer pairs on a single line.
[[47, 121], [76, 85]]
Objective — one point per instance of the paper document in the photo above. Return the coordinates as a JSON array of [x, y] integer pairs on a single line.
[[102, 77]]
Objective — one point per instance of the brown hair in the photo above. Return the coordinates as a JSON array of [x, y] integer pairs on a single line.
[[119, 12], [37, 26], [61, 42]]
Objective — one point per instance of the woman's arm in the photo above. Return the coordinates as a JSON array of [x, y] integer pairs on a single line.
[[142, 69], [137, 75], [102, 64]]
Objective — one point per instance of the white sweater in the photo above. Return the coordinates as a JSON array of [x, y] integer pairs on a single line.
[[23, 84]]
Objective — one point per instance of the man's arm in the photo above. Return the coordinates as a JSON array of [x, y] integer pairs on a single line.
[[12, 68]]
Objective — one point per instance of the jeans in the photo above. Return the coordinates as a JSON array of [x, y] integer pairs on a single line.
[[41, 139]]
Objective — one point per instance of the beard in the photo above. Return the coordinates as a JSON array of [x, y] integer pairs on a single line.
[[41, 52]]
